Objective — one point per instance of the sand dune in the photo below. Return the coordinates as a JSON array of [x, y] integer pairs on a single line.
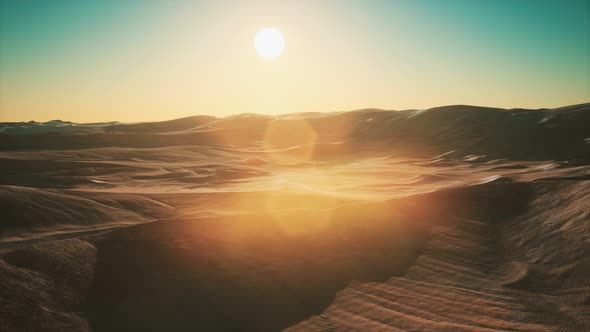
[[29, 213], [457, 218], [497, 133], [480, 273]]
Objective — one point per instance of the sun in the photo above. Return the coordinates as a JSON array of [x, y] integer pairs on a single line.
[[269, 43]]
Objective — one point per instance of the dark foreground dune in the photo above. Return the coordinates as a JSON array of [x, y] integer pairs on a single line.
[[451, 219]]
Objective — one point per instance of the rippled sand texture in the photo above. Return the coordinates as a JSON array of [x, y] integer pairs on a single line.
[[457, 218]]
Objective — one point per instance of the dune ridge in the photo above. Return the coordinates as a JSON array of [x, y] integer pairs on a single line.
[[558, 133], [482, 275]]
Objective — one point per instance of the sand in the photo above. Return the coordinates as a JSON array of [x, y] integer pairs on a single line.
[[457, 218]]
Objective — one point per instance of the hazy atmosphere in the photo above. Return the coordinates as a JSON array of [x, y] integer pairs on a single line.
[[131, 60], [298, 166]]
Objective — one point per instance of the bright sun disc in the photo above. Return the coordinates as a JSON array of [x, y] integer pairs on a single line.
[[269, 43]]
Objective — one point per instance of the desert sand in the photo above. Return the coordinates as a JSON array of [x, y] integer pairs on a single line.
[[456, 218]]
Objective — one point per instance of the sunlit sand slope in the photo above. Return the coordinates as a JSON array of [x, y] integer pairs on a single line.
[[479, 273]]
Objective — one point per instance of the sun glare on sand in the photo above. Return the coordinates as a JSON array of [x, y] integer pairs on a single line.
[[269, 43]]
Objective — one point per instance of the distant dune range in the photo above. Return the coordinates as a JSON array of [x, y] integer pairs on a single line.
[[456, 218], [498, 133]]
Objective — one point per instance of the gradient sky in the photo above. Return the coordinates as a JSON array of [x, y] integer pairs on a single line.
[[143, 60]]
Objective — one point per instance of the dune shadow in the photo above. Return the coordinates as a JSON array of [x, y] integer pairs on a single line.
[[255, 273], [246, 273]]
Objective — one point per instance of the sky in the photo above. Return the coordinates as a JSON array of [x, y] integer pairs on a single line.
[[148, 60]]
